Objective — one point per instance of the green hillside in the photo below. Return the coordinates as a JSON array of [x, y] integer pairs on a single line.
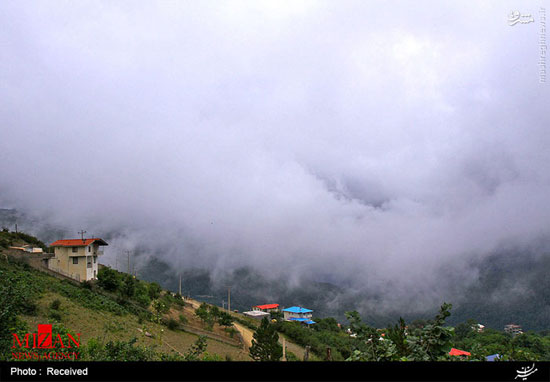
[[117, 324]]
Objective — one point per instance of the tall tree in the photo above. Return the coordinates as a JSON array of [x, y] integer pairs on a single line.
[[265, 345]]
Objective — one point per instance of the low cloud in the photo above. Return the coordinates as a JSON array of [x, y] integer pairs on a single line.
[[363, 144]]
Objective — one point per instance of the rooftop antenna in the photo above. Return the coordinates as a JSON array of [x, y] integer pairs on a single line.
[[82, 234]]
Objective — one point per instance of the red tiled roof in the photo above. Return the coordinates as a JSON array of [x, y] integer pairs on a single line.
[[76, 242], [458, 352], [267, 306]]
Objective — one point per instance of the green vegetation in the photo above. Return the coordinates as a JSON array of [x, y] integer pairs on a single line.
[[130, 351], [29, 297], [265, 345], [423, 340], [8, 239], [210, 314], [318, 339]]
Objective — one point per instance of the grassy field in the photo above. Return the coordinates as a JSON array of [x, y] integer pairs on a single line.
[[108, 326], [96, 316]]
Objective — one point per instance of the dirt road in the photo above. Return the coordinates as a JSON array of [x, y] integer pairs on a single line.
[[246, 333]]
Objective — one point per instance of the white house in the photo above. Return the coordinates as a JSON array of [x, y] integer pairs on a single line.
[[297, 313], [76, 258]]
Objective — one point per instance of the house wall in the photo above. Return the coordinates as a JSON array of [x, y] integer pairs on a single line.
[[289, 315], [63, 262]]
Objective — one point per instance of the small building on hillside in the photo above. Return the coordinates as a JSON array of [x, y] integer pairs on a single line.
[[76, 258], [299, 314], [478, 328], [28, 248], [513, 329], [257, 314], [267, 308]]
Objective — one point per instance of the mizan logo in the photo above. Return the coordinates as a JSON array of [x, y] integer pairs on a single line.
[[45, 339]]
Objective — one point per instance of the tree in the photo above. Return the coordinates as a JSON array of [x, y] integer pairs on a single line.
[[108, 279], [465, 329], [225, 319], [154, 290], [265, 345], [129, 286], [329, 324], [196, 350], [429, 343], [202, 312], [433, 341]]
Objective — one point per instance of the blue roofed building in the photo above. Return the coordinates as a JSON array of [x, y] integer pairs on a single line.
[[297, 313]]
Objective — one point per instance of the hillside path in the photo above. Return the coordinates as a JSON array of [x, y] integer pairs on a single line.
[[246, 333]]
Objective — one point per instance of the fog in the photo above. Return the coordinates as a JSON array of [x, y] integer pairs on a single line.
[[381, 146]]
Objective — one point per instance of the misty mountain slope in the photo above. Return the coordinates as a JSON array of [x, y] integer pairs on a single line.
[[512, 288], [509, 289]]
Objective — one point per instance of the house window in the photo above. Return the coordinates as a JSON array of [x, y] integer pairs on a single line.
[[95, 259], [89, 249], [75, 249], [75, 260]]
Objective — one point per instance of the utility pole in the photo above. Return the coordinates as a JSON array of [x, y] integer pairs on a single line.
[[229, 299], [15, 227], [82, 232], [128, 253], [180, 286]]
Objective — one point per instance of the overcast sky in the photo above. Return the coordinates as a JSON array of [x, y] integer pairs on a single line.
[[369, 142]]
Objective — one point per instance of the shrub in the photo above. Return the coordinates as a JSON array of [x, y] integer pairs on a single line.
[[55, 315], [108, 279], [231, 331], [86, 285], [290, 356], [128, 287], [172, 324], [29, 308], [142, 317], [143, 300], [118, 351], [55, 304], [154, 290]]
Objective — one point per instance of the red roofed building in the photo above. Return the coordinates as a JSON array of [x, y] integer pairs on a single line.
[[76, 258], [459, 352], [267, 307]]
